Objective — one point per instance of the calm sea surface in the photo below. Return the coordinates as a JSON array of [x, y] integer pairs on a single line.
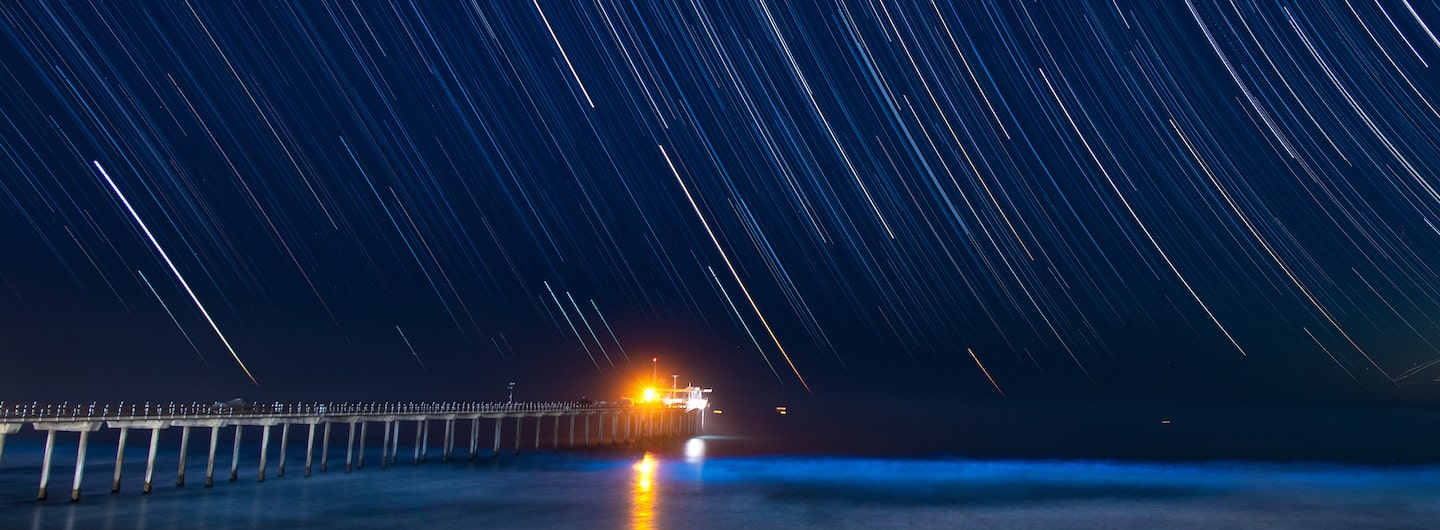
[[704, 483]]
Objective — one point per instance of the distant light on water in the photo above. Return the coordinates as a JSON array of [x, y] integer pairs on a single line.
[[694, 450]]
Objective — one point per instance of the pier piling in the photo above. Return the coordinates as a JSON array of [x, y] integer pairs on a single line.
[[79, 466], [210, 466], [349, 445], [325, 449], [234, 459], [150, 461], [284, 441], [45, 464], [184, 447], [309, 449], [119, 460], [495, 453], [264, 450]]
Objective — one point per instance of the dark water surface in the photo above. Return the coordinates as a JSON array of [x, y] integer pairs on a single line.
[[666, 488], [795, 475]]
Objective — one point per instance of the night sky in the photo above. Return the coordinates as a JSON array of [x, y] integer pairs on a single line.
[[990, 200]]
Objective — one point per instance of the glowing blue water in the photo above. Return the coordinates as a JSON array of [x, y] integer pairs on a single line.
[[676, 488]]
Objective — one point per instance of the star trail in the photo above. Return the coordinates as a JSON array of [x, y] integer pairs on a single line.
[[1006, 194]]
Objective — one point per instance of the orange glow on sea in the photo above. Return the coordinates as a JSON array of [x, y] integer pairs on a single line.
[[642, 505]]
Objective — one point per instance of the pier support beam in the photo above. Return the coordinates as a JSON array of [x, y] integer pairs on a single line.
[[119, 460], [615, 429], [82, 427], [150, 461], [425, 440], [447, 446], [184, 447], [284, 441], [395, 444], [572, 431], [210, 466], [234, 458], [360, 456], [600, 431], [325, 449], [349, 446], [474, 436], [309, 449], [45, 464], [519, 420], [264, 450], [419, 434], [555, 441], [587, 430], [538, 421], [79, 466], [496, 452], [385, 446]]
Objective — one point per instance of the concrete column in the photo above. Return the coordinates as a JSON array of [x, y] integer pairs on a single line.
[[119, 460], [496, 452], [45, 465], [587, 430], [615, 429], [445, 444], [450, 439], [629, 425], [360, 457], [184, 447], [325, 449], [519, 420], [419, 433], [210, 466], [150, 461], [600, 431], [385, 445], [79, 466], [572, 431], [555, 441], [538, 421], [309, 449], [395, 444], [425, 441], [234, 457], [474, 436], [264, 450], [349, 446], [284, 442]]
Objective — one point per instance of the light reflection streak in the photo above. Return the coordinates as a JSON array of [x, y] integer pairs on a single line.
[[642, 505]]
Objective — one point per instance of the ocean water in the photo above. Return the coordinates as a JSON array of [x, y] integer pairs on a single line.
[[715, 482]]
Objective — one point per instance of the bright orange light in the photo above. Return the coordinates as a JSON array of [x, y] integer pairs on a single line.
[[649, 395]]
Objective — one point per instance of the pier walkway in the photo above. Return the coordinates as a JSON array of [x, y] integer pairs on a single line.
[[627, 423]]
